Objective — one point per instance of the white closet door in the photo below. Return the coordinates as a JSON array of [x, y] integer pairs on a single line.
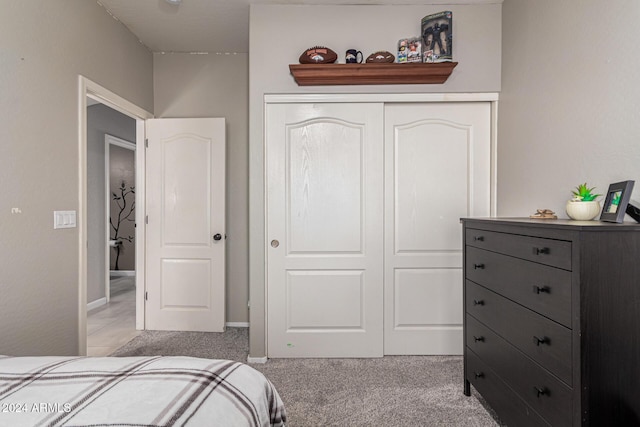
[[437, 170], [324, 230]]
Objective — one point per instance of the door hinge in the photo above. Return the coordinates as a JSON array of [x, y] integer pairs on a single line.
[[146, 143], [146, 296], [146, 219]]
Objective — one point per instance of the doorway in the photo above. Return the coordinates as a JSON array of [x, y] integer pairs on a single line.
[[120, 205], [90, 92], [111, 307]]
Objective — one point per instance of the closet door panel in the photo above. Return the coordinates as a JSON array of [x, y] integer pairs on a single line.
[[437, 170], [324, 189], [324, 230], [428, 174]]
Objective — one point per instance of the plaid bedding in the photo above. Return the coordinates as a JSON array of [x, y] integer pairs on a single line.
[[135, 391]]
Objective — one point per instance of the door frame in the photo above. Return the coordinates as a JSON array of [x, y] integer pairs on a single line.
[[258, 318], [90, 89], [110, 140]]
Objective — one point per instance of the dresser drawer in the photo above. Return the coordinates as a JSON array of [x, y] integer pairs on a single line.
[[543, 340], [545, 393], [556, 253], [544, 289], [512, 409]]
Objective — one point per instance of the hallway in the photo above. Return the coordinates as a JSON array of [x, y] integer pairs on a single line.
[[112, 325]]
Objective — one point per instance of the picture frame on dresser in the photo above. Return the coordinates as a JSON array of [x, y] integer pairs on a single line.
[[615, 204]]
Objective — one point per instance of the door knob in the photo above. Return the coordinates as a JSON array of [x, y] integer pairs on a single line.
[[217, 237], [275, 243]]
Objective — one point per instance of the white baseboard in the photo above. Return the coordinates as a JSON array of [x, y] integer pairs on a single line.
[[97, 303], [122, 272], [237, 324], [256, 359]]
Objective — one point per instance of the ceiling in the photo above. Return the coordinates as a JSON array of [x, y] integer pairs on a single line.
[[214, 26]]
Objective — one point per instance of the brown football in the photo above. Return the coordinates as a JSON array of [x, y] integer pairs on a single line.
[[318, 55], [381, 56]]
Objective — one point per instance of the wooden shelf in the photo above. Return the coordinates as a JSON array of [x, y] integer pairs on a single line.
[[371, 74]]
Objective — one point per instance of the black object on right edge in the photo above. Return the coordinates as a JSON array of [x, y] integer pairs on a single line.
[[633, 210]]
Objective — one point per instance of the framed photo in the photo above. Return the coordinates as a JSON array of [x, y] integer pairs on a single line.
[[615, 204]]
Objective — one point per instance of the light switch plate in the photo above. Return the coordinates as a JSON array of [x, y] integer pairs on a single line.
[[64, 219]]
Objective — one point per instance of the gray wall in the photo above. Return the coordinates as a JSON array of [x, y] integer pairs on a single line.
[[216, 85], [45, 46], [285, 31], [101, 120], [569, 107]]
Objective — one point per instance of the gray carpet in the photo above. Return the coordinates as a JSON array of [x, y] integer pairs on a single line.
[[388, 391]]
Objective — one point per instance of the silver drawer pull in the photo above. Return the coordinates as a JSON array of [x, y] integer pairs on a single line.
[[541, 391], [478, 302], [478, 266], [479, 374], [543, 340], [478, 238], [478, 339], [541, 289], [541, 251]]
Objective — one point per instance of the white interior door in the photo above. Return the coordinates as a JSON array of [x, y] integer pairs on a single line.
[[324, 230], [186, 224], [437, 170]]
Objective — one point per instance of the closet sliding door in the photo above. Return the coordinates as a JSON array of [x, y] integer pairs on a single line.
[[324, 229], [364, 245], [437, 170]]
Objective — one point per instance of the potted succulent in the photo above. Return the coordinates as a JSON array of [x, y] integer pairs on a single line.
[[583, 206]]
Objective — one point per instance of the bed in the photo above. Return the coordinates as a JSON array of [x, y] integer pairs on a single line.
[[135, 391]]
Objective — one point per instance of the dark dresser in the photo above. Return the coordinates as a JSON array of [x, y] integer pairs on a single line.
[[552, 320]]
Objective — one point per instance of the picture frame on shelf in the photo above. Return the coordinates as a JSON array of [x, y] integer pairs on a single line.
[[615, 204]]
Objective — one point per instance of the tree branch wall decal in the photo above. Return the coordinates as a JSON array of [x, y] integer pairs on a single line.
[[126, 210]]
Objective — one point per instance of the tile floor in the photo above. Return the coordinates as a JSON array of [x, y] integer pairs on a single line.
[[112, 325]]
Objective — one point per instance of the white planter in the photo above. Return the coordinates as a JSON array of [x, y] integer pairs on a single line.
[[583, 211]]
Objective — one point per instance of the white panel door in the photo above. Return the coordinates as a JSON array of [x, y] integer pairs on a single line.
[[186, 224], [324, 230], [437, 170]]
